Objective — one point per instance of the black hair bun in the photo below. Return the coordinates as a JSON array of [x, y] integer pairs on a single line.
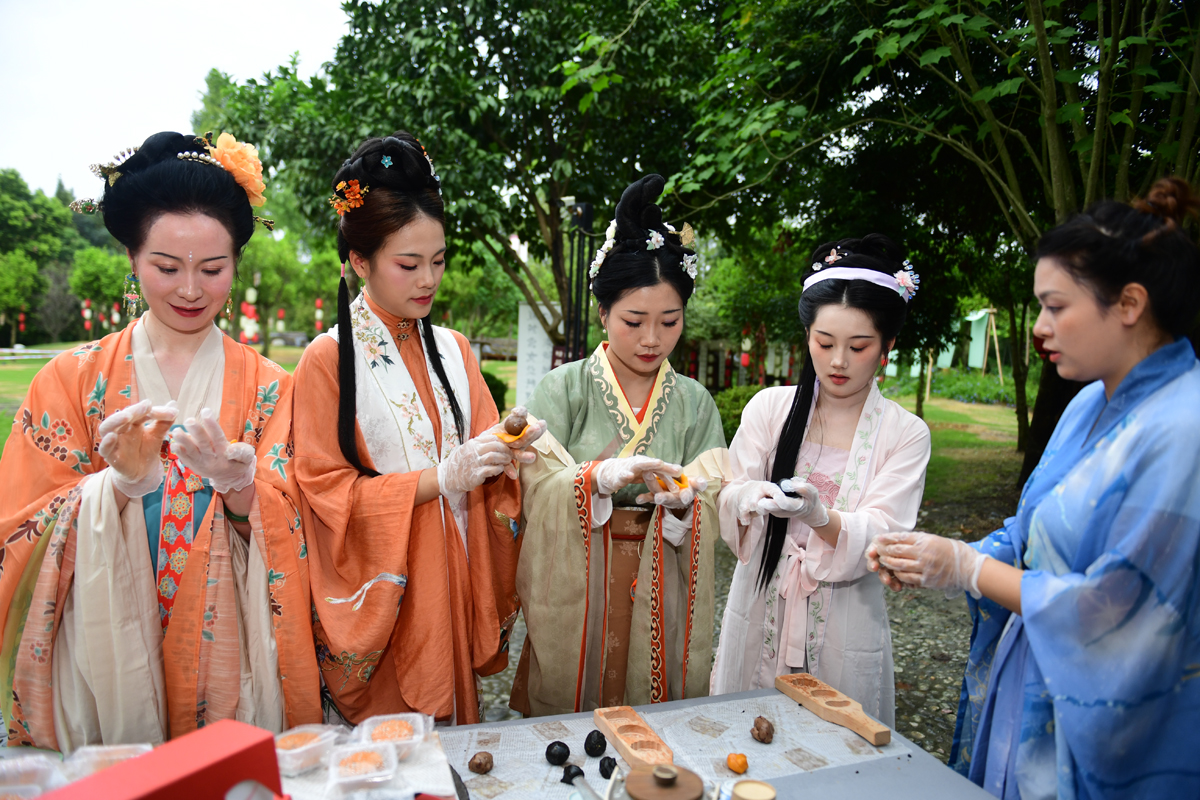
[[637, 213], [396, 162], [153, 181], [874, 251]]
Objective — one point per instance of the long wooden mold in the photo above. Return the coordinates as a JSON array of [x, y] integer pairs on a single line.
[[635, 741], [832, 706]]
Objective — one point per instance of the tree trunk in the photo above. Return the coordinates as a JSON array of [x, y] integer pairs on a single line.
[[264, 328], [1054, 393], [1020, 370], [920, 410]]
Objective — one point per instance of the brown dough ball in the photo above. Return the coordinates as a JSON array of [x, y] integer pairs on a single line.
[[480, 763], [514, 425], [763, 730]]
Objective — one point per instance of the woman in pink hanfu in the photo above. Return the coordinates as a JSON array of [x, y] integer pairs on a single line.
[[817, 470]]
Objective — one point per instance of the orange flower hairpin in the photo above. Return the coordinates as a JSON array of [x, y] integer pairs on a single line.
[[351, 197]]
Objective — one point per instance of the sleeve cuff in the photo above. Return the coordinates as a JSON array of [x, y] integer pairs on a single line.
[[676, 529], [602, 508]]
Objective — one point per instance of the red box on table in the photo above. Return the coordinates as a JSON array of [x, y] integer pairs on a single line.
[[203, 765]]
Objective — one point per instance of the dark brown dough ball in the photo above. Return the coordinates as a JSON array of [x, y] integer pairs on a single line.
[[514, 425], [763, 730], [480, 763], [607, 765], [570, 773]]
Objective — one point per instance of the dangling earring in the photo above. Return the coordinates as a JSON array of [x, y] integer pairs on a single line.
[[229, 306], [133, 294], [883, 360]]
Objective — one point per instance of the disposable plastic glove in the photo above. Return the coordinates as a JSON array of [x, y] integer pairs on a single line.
[[520, 446], [933, 562], [472, 463], [131, 441], [614, 474], [807, 507], [885, 575], [202, 448], [677, 500], [750, 497]]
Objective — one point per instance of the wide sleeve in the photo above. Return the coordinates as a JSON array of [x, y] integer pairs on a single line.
[[358, 527], [494, 512], [1114, 634], [48, 453], [556, 522], [750, 457], [275, 583], [889, 504]]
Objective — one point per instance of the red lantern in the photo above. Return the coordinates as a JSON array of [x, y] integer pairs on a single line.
[[280, 314], [320, 303], [21, 322]]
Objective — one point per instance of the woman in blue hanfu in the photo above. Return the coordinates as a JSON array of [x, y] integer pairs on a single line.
[[1082, 680]]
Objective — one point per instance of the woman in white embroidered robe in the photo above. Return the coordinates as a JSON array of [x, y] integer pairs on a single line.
[[816, 471]]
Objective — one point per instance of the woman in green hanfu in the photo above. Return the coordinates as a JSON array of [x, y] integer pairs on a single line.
[[616, 569]]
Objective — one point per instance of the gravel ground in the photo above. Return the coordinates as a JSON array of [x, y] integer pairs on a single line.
[[930, 634]]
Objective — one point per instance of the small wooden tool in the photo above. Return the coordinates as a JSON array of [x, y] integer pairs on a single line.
[[635, 741], [832, 706]]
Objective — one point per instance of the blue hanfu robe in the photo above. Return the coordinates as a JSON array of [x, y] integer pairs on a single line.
[[1093, 691]]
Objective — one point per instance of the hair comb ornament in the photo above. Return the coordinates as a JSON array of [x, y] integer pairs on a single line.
[[110, 172], [386, 161], [203, 158], [351, 196], [86, 206]]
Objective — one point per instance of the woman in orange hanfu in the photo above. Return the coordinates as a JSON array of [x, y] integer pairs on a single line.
[[152, 563], [412, 526]]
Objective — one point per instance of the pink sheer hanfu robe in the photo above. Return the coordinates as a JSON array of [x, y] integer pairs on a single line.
[[822, 611]]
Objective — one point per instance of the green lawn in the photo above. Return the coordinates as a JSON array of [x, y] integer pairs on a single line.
[[971, 482], [507, 372]]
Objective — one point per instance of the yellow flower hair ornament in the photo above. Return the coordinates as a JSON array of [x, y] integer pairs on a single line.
[[239, 159]]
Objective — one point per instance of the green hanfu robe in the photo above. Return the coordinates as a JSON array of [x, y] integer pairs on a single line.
[[565, 574]]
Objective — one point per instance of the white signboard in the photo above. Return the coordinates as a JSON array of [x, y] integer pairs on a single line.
[[534, 352]]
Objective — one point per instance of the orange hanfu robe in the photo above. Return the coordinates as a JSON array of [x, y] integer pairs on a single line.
[[409, 608], [98, 646]]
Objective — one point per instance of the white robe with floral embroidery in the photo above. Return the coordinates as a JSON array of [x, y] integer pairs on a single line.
[[847, 643]]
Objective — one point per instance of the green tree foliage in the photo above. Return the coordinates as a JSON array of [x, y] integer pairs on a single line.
[[99, 275], [478, 82], [19, 283], [90, 227], [31, 222], [271, 266]]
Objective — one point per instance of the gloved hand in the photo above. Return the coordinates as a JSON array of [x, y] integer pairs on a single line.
[[520, 446], [202, 448], [807, 507], [885, 575], [934, 562], [678, 499], [614, 474], [472, 463], [131, 441]]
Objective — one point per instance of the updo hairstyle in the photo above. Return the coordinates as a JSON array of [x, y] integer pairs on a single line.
[[630, 264], [396, 195], [1114, 244], [887, 310], [153, 182]]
